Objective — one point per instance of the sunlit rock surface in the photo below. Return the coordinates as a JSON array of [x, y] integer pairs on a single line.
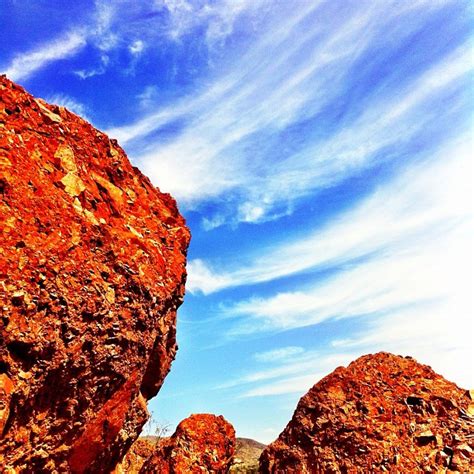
[[140, 451], [383, 413], [201, 443], [92, 267]]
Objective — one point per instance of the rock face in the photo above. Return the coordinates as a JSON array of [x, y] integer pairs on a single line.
[[137, 455], [201, 443], [92, 270], [383, 413]]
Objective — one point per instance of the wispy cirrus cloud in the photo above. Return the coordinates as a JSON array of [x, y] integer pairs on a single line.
[[96, 31], [217, 18], [104, 28], [415, 277], [226, 132], [88, 73], [137, 47], [25, 64], [129, 26], [423, 201], [430, 336], [286, 366], [99, 30], [278, 354], [401, 271], [439, 335]]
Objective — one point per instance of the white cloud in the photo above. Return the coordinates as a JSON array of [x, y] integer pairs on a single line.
[[88, 73], [230, 115], [137, 47], [148, 97], [399, 216], [181, 16], [293, 77], [104, 30], [25, 64], [298, 384], [249, 212], [216, 18], [293, 375], [355, 146], [209, 223], [408, 277], [278, 354], [201, 278], [433, 338], [96, 71], [98, 33], [439, 335], [411, 292], [284, 368]]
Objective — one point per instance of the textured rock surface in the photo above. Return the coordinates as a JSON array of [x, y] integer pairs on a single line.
[[383, 413], [92, 270], [137, 455], [201, 443]]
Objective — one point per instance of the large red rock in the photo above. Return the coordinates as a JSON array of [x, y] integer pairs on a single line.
[[201, 443], [383, 413], [92, 270]]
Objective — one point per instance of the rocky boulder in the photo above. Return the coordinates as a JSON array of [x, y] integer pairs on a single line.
[[201, 443], [92, 271], [383, 413]]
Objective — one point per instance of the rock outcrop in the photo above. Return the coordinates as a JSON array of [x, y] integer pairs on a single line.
[[383, 413], [201, 443], [92, 270]]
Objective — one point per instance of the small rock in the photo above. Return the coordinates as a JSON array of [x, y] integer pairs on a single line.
[[201, 443]]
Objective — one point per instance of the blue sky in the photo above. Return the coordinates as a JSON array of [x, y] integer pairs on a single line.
[[321, 154]]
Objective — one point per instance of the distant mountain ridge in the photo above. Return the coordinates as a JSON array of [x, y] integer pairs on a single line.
[[247, 453]]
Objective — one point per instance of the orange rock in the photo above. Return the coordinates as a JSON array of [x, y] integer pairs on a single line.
[[138, 453], [383, 413], [92, 271], [6, 389], [201, 443], [136, 456]]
